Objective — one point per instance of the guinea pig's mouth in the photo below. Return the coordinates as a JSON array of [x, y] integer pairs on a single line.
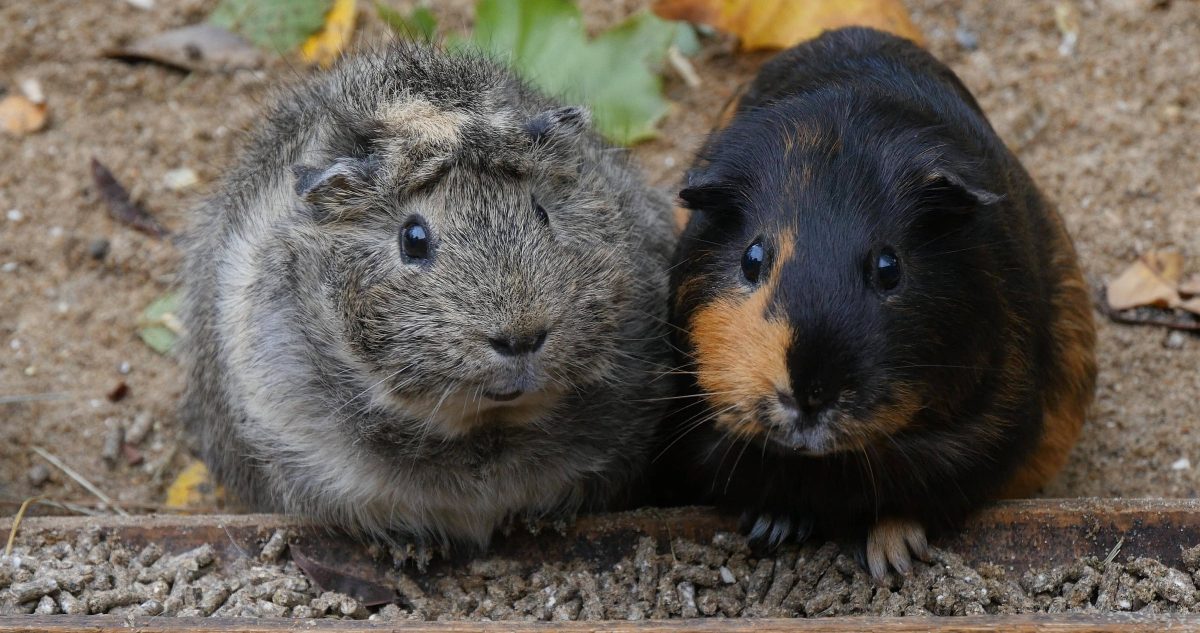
[[503, 397]]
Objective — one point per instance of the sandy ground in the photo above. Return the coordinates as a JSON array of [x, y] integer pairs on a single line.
[[1111, 131]]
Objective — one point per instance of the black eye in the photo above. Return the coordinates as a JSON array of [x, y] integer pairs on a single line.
[[543, 217], [414, 241], [887, 269], [752, 261]]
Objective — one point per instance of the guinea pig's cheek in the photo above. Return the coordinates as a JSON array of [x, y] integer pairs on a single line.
[[891, 417], [740, 357]]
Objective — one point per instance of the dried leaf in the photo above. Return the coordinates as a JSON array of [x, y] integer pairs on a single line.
[[768, 24], [193, 487], [1190, 286], [1167, 264], [1191, 305], [276, 25], [120, 207], [1138, 286], [158, 325], [20, 116], [325, 46], [326, 578], [200, 47], [615, 74]]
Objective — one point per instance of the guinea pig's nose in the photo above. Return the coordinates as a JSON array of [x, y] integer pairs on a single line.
[[518, 344], [816, 397]]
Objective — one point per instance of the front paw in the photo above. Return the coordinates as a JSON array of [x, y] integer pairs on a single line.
[[895, 542], [768, 531]]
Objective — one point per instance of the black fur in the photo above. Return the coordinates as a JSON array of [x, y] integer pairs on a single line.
[[886, 147]]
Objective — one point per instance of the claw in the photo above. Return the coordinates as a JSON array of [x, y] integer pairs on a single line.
[[780, 531], [804, 529], [769, 532], [893, 542]]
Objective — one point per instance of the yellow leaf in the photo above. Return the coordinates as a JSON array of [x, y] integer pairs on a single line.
[[20, 116], [326, 45], [765, 24], [1141, 285], [193, 487]]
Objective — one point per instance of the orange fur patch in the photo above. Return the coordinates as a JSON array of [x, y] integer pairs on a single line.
[[741, 354], [681, 217], [1068, 397]]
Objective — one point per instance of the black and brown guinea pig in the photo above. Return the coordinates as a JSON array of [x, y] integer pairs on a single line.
[[882, 320]]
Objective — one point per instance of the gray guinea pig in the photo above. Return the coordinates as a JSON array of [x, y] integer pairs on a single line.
[[421, 304]]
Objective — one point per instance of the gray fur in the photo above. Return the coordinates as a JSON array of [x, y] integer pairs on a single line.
[[330, 378]]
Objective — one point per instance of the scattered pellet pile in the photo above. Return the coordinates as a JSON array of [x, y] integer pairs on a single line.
[[655, 580]]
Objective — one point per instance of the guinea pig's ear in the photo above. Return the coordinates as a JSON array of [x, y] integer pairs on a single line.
[[330, 191], [948, 191], [709, 193], [571, 120]]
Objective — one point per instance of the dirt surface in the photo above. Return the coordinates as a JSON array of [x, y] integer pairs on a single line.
[[1110, 130], [92, 572]]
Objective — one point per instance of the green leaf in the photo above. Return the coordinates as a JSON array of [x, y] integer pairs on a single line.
[[280, 25], [158, 326], [615, 74], [420, 23]]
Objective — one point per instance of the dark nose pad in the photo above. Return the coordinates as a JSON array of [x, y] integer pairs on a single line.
[[508, 345]]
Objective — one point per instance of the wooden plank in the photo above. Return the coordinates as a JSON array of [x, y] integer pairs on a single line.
[[1061, 623], [1020, 534]]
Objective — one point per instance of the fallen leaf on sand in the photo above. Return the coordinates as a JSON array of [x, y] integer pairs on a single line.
[[193, 487], [326, 578], [768, 24], [1167, 264], [615, 73], [199, 47], [326, 45], [1144, 284], [120, 207], [280, 26], [20, 116], [1190, 286], [158, 325]]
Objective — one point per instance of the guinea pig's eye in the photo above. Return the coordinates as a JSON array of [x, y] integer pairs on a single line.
[[542, 216], [414, 241], [887, 269], [752, 261]]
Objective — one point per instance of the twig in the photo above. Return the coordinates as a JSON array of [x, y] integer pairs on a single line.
[[1112, 554], [34, 397], [12, 534], [81, 481], [683, 68]]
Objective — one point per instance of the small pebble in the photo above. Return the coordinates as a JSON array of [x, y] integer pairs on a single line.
[[1182, 463], [9, 267], [966, 38], [14, 215], [181, 178], [124, 368], [1174, 340], [38, 474], [98, 248]]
